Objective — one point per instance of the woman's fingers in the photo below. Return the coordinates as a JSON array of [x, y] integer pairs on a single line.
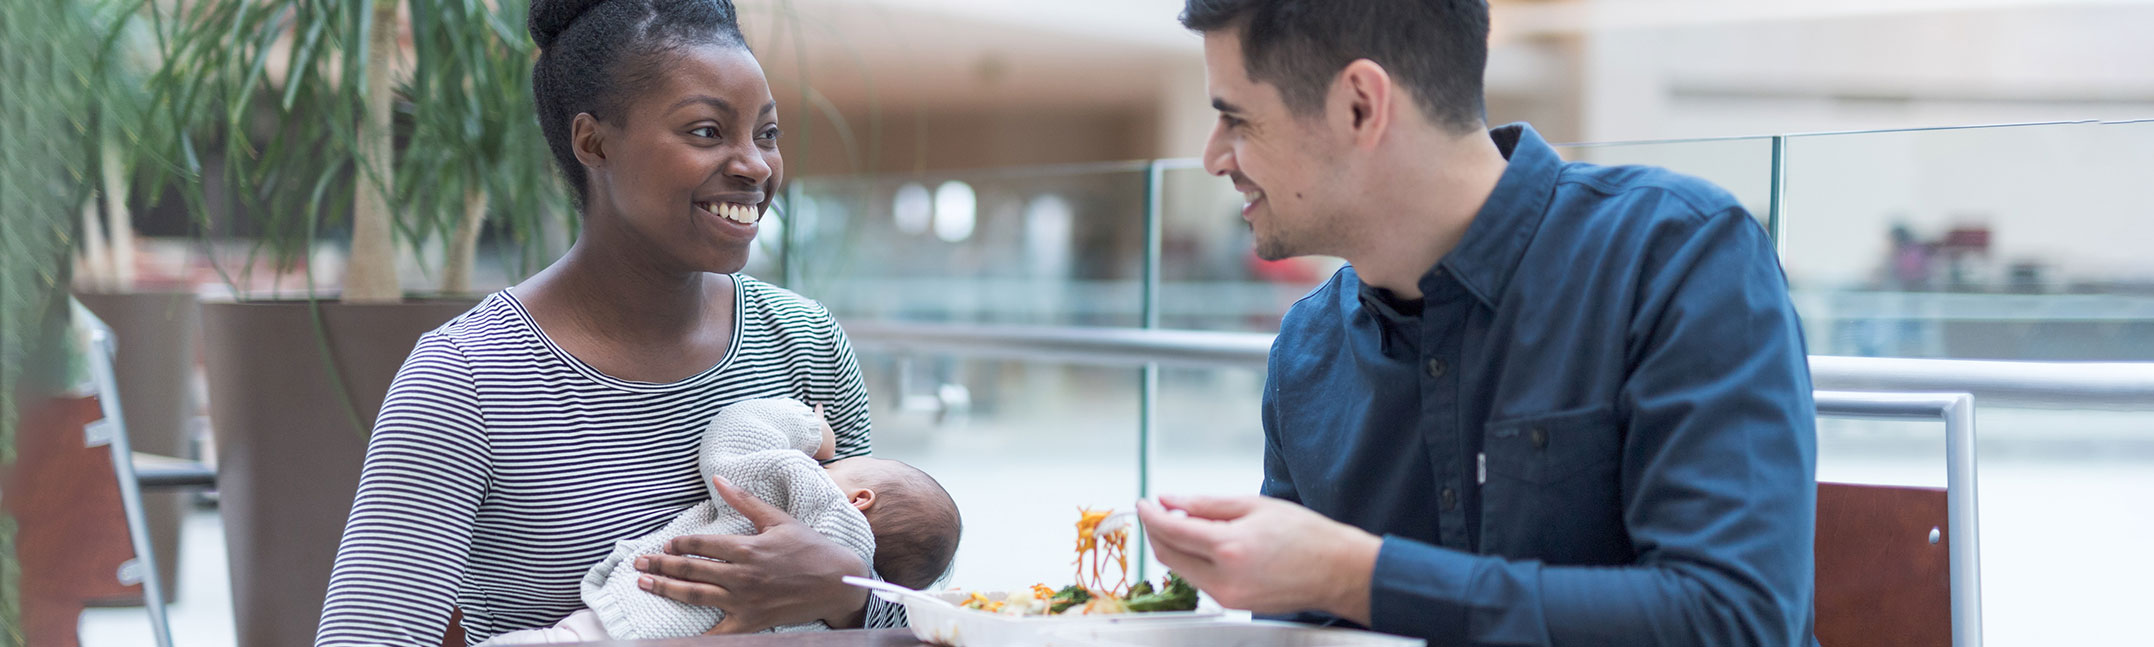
[[763, 515], [684, 591], [731, 548]]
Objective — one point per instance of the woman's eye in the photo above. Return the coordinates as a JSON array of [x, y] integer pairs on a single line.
[[707, 132], [770, 135]]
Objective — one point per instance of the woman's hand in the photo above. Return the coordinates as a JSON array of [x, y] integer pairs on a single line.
[[784, 574]]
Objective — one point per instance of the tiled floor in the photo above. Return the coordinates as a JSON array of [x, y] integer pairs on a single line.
[[201, 615]]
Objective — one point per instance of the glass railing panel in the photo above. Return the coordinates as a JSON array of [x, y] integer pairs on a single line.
[[1210, 276], [1019, 445], [2019, 242], [1743, 166], [1046, 245]]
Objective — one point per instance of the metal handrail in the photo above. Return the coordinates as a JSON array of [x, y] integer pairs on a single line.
[[2048, 385]]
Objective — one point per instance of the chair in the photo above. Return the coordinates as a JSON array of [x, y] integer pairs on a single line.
[[1883, 571], [1901, 566], [155, 471]]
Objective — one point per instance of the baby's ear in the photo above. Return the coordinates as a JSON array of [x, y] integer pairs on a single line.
[[860, 498]]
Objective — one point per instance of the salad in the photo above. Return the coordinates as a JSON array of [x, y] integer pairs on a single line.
[[1099, 555], [1173, 594]]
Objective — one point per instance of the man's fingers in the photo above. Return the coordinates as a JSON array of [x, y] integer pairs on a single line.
[[1220, 508], [1189, 534], [763, 515]]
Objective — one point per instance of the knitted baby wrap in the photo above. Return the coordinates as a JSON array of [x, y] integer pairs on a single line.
[[763, 447]]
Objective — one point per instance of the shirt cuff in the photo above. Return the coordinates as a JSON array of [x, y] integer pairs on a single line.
[[1451, 597], [1416, 591]]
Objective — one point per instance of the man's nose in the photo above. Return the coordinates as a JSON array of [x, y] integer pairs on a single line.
[[1218, 155]]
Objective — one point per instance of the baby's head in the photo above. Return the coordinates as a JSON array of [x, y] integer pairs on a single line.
[[915, 521]]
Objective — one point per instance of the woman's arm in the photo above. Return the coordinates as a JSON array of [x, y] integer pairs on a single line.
[[792, 572], [843, 394], [409, 534]]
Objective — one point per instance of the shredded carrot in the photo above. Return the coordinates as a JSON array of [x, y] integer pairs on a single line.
[[1101, 550]]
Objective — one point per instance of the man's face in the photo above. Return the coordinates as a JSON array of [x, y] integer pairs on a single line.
[[1282, 163]]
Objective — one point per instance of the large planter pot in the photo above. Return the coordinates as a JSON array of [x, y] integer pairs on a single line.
[[154, 336], [288, 451]]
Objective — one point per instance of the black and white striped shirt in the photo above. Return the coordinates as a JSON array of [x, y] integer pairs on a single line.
[[501, 468]]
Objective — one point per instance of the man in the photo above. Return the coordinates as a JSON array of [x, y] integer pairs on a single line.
[[1546, 403]]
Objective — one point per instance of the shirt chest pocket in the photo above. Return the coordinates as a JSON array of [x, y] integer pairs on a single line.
[[1551, 447], [1552, 489]]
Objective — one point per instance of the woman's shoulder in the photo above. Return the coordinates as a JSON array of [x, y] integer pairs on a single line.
[[780, 306], [495, 320]]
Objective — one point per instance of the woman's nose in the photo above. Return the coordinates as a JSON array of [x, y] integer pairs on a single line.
[[749, 166]]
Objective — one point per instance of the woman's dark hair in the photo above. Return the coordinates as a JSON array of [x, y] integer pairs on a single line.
[[597, 54], [1436, 49]]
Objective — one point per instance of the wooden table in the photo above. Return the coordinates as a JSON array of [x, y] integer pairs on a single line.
[[853, 638]]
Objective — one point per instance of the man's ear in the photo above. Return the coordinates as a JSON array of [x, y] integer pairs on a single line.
[[584, 138], [1361, 99], [860, 498]]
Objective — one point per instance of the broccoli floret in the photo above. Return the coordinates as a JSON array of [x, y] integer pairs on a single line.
[[1069, 596], [1177, 596], [1142, 588]]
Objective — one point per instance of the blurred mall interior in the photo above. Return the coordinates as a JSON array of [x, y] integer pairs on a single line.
[[1955, 180]]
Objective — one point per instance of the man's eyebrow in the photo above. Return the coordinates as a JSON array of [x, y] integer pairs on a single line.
[[708, 100], [1222, 105]]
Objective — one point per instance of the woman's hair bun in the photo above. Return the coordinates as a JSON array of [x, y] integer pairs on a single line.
[[551, 17]]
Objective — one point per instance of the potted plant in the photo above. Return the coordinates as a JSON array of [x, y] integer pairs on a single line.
[[48, 52], [295, 122]]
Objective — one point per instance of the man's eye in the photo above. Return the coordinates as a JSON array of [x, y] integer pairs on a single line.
[[1230, 121]]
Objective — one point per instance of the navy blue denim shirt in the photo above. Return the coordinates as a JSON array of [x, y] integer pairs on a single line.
[[1596, 430]]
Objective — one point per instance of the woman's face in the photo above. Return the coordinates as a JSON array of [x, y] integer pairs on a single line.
[[691, 168]]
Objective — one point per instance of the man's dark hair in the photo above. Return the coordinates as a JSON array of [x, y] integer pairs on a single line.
[[1436, 49], [597, 54], [916, 526]]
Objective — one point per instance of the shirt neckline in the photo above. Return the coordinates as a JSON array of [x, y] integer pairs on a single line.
[[740, 300]]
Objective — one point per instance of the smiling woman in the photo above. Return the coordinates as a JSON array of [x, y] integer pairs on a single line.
[[524, 438]]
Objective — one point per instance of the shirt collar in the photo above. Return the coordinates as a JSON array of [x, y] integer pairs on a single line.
[[1488, 255]]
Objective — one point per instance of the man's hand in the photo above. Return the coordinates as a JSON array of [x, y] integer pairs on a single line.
[[784, 574], [1265, 555]]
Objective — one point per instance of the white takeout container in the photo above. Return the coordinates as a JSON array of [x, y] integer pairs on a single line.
[[960, 627], [1220, 633]]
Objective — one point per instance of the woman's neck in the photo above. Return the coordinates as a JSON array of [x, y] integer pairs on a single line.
[[627, 297]]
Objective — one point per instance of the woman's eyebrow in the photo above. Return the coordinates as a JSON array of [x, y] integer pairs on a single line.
[[719, 104]]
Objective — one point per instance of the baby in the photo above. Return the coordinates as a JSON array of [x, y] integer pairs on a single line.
[[893, 515]]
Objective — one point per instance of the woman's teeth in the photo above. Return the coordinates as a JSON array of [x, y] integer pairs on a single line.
[[740, 213]]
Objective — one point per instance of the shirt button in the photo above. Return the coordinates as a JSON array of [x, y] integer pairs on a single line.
[[1540, 437], [1450, 499], [1436, 367]]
